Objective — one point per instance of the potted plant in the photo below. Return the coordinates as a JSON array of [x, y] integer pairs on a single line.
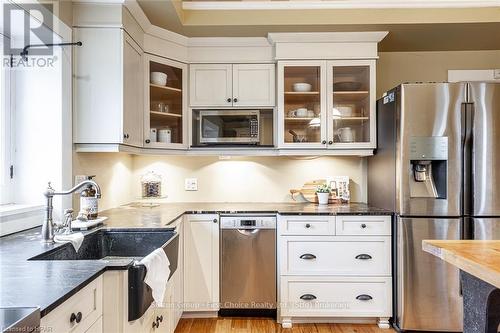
[[323, 193]]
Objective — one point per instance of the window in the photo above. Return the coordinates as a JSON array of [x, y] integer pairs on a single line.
[[5, 132]]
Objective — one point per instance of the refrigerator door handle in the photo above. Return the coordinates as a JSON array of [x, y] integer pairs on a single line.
[[467, 137]]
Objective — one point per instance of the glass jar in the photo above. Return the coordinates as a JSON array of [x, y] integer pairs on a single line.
[[151, 185]]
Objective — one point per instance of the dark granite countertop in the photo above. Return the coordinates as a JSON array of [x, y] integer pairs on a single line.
[[46, 284], [136, 216]]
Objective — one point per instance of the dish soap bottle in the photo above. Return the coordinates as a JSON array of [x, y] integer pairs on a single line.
[[88, 201]]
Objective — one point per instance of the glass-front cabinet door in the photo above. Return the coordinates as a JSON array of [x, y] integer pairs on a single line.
[[301, 104], [351, 104], [165, 103]]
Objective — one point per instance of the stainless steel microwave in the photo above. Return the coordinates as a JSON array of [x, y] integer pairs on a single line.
[[229, 126]]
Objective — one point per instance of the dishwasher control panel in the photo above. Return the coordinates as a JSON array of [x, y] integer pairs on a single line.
[[248, 221]]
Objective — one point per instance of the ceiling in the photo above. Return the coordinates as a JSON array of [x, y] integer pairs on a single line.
[[414, 29]]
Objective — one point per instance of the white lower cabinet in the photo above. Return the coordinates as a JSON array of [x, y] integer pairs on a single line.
[[337, 268], [96, 327], [79, 313], [336, 255], [201, 263], [335, 296]]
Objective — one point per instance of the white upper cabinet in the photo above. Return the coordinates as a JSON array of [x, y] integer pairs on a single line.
[[326, 104], [351, 104], [211, 85], [165, 120], [226, 85], [253, 85], [302, 104], [107, 88], [132, 97]]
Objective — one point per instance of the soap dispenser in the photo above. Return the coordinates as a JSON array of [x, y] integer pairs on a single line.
[[88, 201]]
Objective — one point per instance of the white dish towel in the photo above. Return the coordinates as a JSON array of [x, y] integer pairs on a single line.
[[75, 239], [158, 270]]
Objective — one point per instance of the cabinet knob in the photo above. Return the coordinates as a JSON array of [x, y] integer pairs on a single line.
[[363, 226], [323, 142], [148, 141], [75, 317], [229, 100], [364, 297], [215, 220], [308, 297], [235, 100], [156, 324], [126, 136], [330, 142], [159, 319], [308, 225]]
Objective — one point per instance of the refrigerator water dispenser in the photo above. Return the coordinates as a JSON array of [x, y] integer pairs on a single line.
[[428, 160]]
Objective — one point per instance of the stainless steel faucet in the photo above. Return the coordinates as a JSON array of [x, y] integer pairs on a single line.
[[48, 224]]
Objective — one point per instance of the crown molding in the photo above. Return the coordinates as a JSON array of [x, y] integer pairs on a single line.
[[327, 37], [335, 4], [228, 42]]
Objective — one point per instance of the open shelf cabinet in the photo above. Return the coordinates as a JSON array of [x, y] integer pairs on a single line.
[[165, 104]]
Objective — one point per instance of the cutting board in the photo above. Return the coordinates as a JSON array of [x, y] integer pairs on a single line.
[[308, 192]]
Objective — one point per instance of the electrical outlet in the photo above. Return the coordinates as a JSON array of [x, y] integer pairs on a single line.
[[191, 184], [80, 178]]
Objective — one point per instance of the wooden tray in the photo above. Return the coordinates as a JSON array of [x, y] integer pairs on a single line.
[[308, 192]]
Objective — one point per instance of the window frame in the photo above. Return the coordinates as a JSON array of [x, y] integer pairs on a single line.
[[6, 131]]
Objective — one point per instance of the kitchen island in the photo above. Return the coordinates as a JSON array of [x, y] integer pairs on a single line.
[[479, 264]]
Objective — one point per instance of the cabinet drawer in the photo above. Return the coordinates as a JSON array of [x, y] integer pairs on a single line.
[[87, 301], [336, 297], [364, 225], [306, 225], [368, 256]]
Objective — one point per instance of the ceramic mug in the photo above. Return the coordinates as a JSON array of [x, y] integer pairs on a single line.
[[300, 113], [345, 134]]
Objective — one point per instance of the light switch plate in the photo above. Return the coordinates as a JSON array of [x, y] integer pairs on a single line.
[[496, 74], [191, 184]]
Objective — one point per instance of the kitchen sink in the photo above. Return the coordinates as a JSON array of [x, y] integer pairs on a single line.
[[131, 244], [109, 244]]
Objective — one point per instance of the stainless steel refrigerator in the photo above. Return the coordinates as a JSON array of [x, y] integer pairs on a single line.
[[437, 166]]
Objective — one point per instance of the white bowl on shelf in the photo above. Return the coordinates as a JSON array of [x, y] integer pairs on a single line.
[[301, 87], [158, 78]]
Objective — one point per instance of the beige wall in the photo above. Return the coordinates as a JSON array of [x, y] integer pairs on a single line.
[[394, 68], [250, 179], [256, 179], [113, 173]]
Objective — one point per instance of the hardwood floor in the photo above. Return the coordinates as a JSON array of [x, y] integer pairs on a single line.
[[266, 325]]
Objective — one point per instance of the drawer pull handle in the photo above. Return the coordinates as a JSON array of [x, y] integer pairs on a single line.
[[363, 257], [156, 324], [307, 256], [159, 319], [364, 297], [363, 226], [308, 225], [75, 317], [308, 297]]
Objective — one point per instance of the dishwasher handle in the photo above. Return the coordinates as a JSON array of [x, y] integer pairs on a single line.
[[248, 232]]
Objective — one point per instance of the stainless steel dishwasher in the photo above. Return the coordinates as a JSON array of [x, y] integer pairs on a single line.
[[248, 265]]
